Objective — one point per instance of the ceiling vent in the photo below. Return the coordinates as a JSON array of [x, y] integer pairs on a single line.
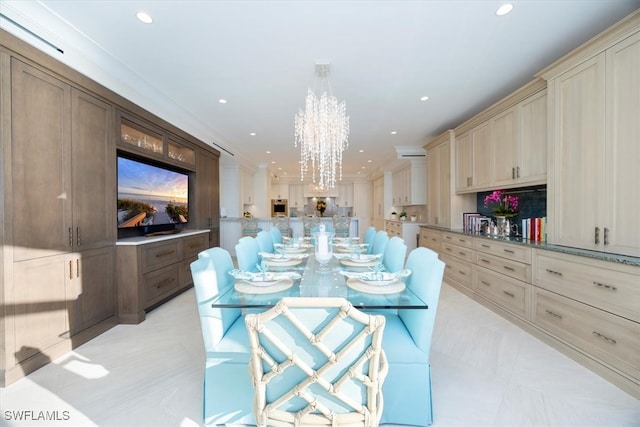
[[410, 152]]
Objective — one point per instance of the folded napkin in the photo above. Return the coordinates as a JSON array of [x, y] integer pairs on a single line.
[[376, 276], [271, 256], [294, 245], [268, 276], [358, 257]]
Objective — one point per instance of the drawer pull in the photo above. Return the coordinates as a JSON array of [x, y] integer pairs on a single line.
[[449, 249], [509, 251], [165, 253], [485, 283], [509, 294], [462, 241], [604, 337], [447, 237], [556, 315], [602, 285], [165, 282], [485, 246], [556, 273], [462, 253], [485, 260], [506, 267], [462, 272]]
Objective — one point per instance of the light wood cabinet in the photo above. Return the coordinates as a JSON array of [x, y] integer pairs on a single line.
[[430, 238], [483, 156], [444, 207], [531, 161], [594, 197], [464, 163], [409, 184]]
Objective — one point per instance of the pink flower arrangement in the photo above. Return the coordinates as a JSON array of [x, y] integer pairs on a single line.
[[502, 204]]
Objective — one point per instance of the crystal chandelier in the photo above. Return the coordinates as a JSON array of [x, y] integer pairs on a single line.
[[322, 130]]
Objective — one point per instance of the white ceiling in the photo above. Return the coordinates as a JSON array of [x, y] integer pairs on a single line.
[[261, 55]]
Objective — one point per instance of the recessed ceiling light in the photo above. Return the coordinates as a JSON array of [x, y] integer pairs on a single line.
[[393, 132], [222, 101], [144, 17], [268, 152], [504, 9], [252, 134], [273, 162], [362, 151], [369, 161], [424, 98]]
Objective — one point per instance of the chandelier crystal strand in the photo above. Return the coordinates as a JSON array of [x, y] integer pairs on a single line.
[[322, 130]]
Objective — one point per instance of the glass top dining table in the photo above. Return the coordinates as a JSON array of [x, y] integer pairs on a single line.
[[321, 281]]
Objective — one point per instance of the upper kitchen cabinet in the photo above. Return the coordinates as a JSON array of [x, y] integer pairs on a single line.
[[280, 190], [296, 196], [409, 184], [345, 195], [444, 207], [143, 138], [594, 106], [247, 186], [505, 145]]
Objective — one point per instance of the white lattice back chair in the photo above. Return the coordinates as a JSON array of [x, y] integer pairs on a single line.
[[316, 361]]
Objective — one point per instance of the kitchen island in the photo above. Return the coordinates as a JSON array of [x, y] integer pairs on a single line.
[[231, 229]]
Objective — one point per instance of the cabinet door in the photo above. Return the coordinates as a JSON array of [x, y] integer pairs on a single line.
[[207, 195], [464, 163], [247, 188], [90, 288], [40, 305], [483, 156], [296, 193], [578, 155], [531, 166], [444, 185], [622, 195], [41, 169], [94, 182], [433, 185], [505, 139], [345, 198]]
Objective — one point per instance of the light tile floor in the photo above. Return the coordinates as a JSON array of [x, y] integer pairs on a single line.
[[486, 372]]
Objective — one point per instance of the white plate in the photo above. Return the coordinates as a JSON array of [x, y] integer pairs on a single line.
[[294, 250], [279, 263], [245, 287], [382, 287], [350, 263], [277, 260]]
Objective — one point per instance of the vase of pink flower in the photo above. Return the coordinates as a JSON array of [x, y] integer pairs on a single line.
[[504, 207]]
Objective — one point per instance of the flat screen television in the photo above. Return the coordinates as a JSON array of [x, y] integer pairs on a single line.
[[151, 197]]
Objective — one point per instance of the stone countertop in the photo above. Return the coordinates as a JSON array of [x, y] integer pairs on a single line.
[[291, 218], [142, 240], [605, 256]]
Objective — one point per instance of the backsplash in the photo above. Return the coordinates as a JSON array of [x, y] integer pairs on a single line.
[[532, 202]]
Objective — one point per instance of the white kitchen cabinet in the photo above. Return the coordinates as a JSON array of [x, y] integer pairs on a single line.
[[296, 196], [248, 197], [280, 190], [594, 198], [345, 195]]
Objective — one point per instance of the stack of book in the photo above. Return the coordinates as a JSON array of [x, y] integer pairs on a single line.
[[535, 229], [475, 222]]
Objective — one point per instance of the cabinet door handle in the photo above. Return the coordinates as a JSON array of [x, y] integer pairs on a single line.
[[513, 173], [78, 267], [604, 337], [605, 286], [551, 313], [485, 283], [606, 236], [506, 267], [485, 246], [485, 261], [509, 294], [462, 253], [555, 273], [462, 272], [165, 253], [70, 237], [509, 251], [596, 237], [517, 171], [78, 236], [70, 269]]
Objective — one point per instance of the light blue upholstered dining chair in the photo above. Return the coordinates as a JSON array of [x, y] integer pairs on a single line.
[[407, 343], [380, 242], [369, 236], [316, 362], [226, 380], [247, 254], [265, 241], [276, 235], [394, 254]]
